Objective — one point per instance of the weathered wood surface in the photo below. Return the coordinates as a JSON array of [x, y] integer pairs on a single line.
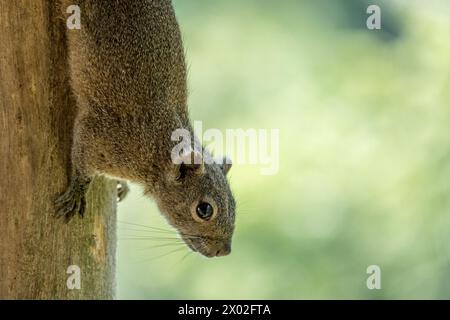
[[36, 117]]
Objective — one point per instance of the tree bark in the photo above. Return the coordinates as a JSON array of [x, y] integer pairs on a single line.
[[36, 119]]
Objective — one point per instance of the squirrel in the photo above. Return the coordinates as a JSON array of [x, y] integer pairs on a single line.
[[128, 75]]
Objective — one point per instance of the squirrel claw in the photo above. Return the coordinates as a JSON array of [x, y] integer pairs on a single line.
[[122, 190], [69, 204]]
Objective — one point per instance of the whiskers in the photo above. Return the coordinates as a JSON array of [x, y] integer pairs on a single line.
[[142, 227], [163, 255], [163, 242], [185, 256]]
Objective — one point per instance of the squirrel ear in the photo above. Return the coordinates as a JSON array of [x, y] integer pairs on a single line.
[[225, 165], [192, 161]]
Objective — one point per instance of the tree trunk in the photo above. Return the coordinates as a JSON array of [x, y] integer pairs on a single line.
[[36, 118]]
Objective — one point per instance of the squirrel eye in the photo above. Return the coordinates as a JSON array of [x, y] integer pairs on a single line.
[[204, 210]]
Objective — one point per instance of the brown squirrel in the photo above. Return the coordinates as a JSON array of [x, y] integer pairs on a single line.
[[128, 75]]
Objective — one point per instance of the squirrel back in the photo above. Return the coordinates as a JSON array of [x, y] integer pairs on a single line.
[[128, 74], [128, 54]]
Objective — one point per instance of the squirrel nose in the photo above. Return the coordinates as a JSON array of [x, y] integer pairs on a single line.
[[224, 250]]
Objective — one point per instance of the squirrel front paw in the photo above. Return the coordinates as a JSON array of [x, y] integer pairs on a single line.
[[122, 190], [73, 201], [70, 203]]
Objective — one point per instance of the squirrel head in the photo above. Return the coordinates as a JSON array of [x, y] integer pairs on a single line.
[[196, 199]]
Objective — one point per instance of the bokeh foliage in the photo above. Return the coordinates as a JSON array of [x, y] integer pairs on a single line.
[[364, 177]]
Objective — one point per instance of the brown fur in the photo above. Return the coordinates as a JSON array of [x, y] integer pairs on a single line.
[[129, 78]]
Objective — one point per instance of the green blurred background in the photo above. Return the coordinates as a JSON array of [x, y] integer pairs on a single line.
[[364, 177]]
